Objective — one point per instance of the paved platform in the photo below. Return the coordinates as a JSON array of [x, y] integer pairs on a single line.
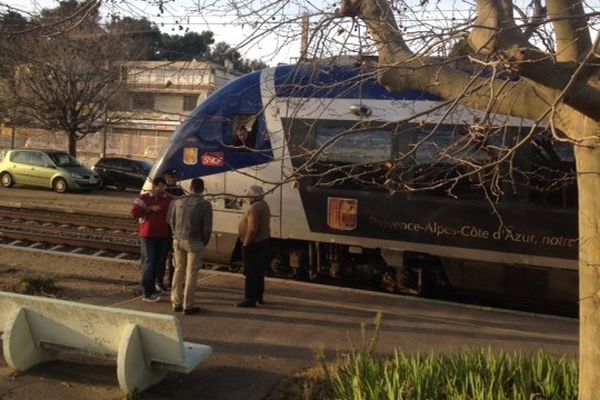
[[255, 348]]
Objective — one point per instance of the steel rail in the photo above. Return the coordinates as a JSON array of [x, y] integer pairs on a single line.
[[80, 219], [73, 242]]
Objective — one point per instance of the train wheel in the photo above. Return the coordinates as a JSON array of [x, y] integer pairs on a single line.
[[6, 179], [277, 265]]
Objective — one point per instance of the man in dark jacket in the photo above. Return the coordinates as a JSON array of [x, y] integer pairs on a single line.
[[191, 223], [151, 210]]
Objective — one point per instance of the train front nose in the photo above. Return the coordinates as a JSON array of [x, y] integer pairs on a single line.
[[209, 141]]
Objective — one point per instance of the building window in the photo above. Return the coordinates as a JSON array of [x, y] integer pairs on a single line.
[[143, 101], [190, 102]]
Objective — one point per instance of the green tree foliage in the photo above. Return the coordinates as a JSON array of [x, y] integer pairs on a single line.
[[224, 54], [12, 38], [12, 24], [190, 46], [84, 16], [141, 34]]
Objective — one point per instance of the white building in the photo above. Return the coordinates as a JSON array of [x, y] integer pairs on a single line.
[[159, 95]]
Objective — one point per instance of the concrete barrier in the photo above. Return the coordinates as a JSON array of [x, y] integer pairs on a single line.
[[145, 345]]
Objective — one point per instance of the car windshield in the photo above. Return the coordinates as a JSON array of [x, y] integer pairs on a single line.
[[63, 160]]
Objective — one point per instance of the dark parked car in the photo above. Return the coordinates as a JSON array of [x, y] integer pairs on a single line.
[[122, 172]]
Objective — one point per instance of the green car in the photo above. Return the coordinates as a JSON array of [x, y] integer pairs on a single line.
[[46, 168]]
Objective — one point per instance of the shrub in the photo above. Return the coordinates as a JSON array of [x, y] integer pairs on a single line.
[[35, 285]]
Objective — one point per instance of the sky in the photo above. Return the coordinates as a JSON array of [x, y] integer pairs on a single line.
[[279, 46]]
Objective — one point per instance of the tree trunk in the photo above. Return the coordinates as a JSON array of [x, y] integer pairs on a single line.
[[72, 144], [588, 179]]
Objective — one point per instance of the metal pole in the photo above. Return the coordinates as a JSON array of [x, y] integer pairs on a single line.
[[304, 38], [105, 134], [13, 130]]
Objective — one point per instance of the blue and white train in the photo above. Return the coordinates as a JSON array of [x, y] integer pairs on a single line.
[[335, 152]]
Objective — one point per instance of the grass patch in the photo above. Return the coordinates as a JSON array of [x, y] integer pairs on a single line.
[[472, 374], [480, 374], [35, 285]]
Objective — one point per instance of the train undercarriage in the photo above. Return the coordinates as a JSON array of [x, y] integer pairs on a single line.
[[520, 287]]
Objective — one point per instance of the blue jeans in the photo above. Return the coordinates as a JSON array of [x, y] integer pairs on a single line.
[[154, 254]]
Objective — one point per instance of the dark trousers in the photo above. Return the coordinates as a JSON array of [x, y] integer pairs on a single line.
[[167, 268], [255, 257], [154, 252]]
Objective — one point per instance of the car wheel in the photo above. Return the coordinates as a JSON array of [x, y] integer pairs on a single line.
[[6, 179], [60, 185]]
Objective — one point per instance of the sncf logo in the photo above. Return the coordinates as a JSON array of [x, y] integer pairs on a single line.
[[213, 159]]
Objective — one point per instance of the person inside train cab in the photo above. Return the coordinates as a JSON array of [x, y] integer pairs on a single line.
[[241, 136], [254, 234], [164, 276], [244, 134], [151, 210]]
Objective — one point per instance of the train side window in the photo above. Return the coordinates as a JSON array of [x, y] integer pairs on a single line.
[[342, 145], [551, 177], [447, 159], [245, 131], [233, 203], [352, 157]]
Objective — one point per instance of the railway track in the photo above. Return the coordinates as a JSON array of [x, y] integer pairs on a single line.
[[83, 234]]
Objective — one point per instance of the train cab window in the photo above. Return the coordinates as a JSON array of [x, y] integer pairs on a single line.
[[245, 131]]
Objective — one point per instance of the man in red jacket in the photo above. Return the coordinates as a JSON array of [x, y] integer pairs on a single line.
[[151, 210]]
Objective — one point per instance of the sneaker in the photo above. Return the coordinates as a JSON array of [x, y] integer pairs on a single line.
[[153, 298], [177, 308], [193, 310]]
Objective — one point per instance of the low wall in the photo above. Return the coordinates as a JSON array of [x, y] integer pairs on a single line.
[[89, 149]]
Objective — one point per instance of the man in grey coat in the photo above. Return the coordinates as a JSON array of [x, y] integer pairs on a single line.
[[191, 223]]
